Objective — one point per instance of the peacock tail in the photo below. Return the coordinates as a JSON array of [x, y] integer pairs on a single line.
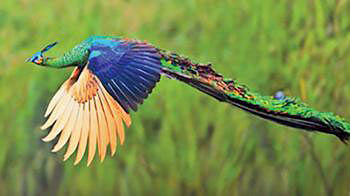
[[288, 111], [113, 76]]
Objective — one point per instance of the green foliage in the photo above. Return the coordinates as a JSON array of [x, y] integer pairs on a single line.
[[182, 141]]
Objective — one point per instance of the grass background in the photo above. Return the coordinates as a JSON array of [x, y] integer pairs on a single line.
[[183, 142]]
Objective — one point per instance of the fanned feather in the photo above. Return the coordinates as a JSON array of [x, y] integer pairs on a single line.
[[74, 139], [119, 110], [93, 132], [120, 130], [59, 125], [55, 100], [111, 123], [68, 129], [83, 112], [57, 112], [84, 134], [103, 129]]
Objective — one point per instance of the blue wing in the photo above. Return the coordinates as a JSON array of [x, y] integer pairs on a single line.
[[128, 69]]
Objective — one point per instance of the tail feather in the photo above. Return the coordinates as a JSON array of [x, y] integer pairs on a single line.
[[287, 111]]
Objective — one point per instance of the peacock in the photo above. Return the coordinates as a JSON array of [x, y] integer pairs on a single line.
[[112, 76]]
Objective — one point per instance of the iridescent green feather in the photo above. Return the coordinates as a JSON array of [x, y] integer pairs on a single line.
[[76, 56], [289, 110]]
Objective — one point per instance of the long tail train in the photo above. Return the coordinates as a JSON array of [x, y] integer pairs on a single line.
[[287, 111]]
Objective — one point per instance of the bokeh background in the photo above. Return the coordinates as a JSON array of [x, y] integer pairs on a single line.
[[183, 142]]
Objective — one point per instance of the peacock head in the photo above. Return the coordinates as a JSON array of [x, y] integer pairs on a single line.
[[38, 57]]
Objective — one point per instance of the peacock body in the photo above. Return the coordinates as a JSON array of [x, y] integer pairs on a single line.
[[113, 76]]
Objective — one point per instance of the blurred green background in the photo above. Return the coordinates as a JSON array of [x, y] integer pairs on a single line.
[[183, 142]]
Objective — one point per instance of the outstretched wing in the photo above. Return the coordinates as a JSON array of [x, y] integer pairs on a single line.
[[128, 69], [82, 111], [93, 102]]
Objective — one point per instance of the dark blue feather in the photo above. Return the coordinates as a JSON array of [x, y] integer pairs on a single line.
[[124, 95], [153, 72], [134, 86], [131, 98], [146, 80], [142, 83], [129, 70], [116, 94], [127, 89]]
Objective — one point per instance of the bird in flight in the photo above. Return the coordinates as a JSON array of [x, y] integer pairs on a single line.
[[113, 75]]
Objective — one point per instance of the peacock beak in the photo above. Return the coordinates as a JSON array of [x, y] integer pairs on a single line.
[[28, 60]]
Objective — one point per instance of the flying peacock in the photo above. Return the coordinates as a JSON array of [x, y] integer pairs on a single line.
[[113, 75]]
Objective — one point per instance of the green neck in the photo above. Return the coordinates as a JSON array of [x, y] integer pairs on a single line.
[[75, 57]]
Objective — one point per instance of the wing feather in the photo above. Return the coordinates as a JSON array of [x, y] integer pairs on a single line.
[[57, 112], [118, 93], [93, 132], [83, 112], [59, 125], [118, 110], [120, 130], [119, 116], [66, 132], [74, 139], [111, 123], [99, 142], [84, 134], [103, 128], [55, 100], [135, 87], [132, 59]]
